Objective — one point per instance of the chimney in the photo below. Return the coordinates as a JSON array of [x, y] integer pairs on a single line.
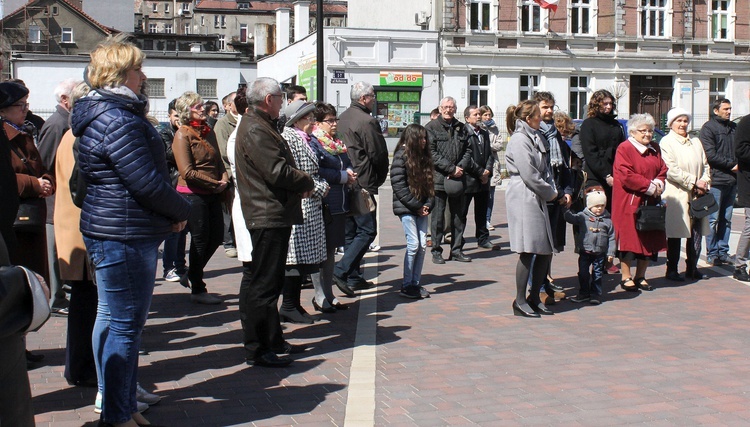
[[261, 40], [282, 28], [301, 19]]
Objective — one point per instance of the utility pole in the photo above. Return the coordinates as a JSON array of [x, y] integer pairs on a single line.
[[320, 64]]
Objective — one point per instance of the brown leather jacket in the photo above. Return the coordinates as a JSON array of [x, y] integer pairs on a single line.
[[268, 180], [198, 160]]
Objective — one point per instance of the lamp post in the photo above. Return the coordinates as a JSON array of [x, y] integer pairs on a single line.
[[320, 64]]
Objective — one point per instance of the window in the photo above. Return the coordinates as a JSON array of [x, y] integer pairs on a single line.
[[55, 10], [151, 28], [216, 21], [186, 7], [479, 15], [155, 88], [528, 87], [67, 35], [478, 89], [223, 21], [168, 28], [578, 96], [720, 19], [580, 16], [166, 8], [206, 88], [203, 21], [531, 17], [243, 33], [717, 89], [156, 8], [243, 6], [186, 28], [35, 34], [653, 18], [222, 43]]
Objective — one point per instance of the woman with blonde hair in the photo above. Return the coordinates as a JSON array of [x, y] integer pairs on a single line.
[[130, 207], [203, 181], [529, 190]]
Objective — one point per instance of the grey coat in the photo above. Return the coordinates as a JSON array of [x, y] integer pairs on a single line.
[[530, 188]]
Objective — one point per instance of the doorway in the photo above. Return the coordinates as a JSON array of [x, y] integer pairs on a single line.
[[653, 95]]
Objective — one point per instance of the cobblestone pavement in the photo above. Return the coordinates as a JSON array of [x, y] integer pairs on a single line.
[[674, 356]]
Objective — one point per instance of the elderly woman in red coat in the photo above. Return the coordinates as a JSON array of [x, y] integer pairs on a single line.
[[639, 175]]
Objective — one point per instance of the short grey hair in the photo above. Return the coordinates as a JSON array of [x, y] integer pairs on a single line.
[[65, 87], [360, 89], [261, 88], [448, 98], [638, 120]]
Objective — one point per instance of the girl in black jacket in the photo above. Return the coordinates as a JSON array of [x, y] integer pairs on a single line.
[[413, 193]]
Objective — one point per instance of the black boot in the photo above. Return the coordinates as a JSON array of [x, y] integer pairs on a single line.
[[291, 310]]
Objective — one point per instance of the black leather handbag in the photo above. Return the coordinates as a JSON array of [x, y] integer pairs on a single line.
[[703, 206], [32, 211], [650, 217]]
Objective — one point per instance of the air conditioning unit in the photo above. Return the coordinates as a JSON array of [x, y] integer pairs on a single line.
[[421, 18]]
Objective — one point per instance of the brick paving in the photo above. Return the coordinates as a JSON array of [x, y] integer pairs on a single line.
[[675, 356]]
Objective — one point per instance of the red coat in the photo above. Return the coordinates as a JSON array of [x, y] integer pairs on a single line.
[[632, 174]]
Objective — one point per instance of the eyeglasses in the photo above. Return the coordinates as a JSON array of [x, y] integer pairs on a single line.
[[371, 95], [22, 105], [197, 107], [331, 121], [645, 131]]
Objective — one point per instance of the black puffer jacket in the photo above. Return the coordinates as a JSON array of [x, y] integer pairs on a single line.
[[483, 159], [717, 137], [121, 157], [600, 135], [449, 143], [404, 201], [742, 141], [365, 145]]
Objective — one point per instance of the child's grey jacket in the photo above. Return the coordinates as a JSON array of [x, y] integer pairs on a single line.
[[595, 233]]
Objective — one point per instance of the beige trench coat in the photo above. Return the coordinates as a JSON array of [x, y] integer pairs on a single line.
[[686, 163], [71, 251]]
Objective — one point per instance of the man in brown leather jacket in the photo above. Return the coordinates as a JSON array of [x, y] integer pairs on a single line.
[[270, 188]]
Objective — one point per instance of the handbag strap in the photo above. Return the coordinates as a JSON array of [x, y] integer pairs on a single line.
[[24, 160]]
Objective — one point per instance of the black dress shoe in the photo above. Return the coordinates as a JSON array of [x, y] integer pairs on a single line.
[[518, 311], [674, 276], [485, 245], [343, 286], [362, 285], [324, 309], [269, 359], [460, 257], [294, 316], [291, 349], [339, 306], [437, 258], [696, 275], [553, 286], [540, 308]]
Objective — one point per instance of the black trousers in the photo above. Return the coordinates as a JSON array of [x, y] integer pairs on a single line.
[[206, 225], [458, 221], [79, 353], [481, 200], [15, 392], [693, 247], [262, 282]]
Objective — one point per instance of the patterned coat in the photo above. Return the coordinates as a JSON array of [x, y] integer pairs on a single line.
[[307, 245]]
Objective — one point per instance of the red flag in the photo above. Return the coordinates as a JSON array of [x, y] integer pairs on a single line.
[[548, 4]]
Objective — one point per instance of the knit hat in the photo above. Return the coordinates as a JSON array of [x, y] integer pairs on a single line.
[[595, 198], [11, 92], [297, 110], [675, 113]]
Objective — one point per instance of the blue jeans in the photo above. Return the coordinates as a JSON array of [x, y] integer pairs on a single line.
[[415, 229], [174, 252], [125, 273], [490, 204], [720, 221], [591, 284], [360, 231]]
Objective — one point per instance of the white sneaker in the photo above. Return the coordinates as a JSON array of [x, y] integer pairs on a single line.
[[141, 406], [490, 227], [374, 247], [142, 395]]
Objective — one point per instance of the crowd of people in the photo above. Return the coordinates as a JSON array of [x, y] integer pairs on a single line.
[[282, 185]]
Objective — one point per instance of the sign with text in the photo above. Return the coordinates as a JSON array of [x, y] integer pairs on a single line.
[[400, 78], [339, 76], [307, 72]]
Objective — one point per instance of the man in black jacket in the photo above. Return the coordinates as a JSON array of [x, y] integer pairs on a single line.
[[271, 189], [366, 148], [478, 187], [717, 137], [742, 141], [452, 156]]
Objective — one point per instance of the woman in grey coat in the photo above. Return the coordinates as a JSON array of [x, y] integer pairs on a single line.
[[526, 197]]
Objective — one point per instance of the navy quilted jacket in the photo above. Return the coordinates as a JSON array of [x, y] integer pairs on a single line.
[[121, 157]]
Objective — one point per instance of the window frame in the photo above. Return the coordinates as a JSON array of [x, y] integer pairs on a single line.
[[479, 89], [543, 16], [68, 31], [578, 94], [482, 7], [731, 19], [155, 8], [155, 84], [577, 7], [247, 33], [168, 29], [152, 28], [713, 91], [34, 30], [664, 19], [210, 84], [531, 89], [186, 7], [186, 28], [222, 43]]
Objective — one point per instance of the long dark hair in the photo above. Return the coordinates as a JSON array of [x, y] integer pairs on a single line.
[[417, 161]]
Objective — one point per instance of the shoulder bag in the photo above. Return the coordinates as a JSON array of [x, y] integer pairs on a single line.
[[361, 202], [703, 206], [651, 217], [32, 211]]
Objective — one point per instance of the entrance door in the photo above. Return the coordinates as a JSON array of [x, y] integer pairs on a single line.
[[653, 95]]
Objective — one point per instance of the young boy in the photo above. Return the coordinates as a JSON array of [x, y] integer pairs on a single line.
[[596, 240]]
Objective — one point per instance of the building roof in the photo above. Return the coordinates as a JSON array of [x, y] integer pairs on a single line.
[[267, 6], [85, 16]]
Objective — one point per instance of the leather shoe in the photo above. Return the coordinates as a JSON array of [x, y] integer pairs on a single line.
[[363, 284], [630, 288], [539, 307], [485, 245], [323, 309], [291, 348], [269, 359], [343, 286], [674, 276], [641, 283], [460, 257], [339, 306], [695, 275], [519, 311], [553, 286], [294, 316], [437, 259]]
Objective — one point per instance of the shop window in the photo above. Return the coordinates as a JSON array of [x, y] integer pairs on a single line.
[[396, 110]]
